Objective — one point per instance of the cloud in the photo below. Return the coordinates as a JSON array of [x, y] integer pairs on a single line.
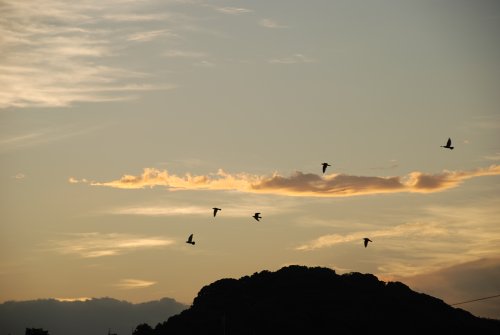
[[456, 233], [161, 211], [146, 36], [408, 229], [93, 245], [128, 284], [54, 54], [301, 184], [41, 137], [205, 63], [294, 59], [233, 10], [268, 23], [232, 211], [132, 17], [184, 54], [462, 282], [20, 140], [73, 299], [73, 180], [152, 177], [20, 176], [495, 157]]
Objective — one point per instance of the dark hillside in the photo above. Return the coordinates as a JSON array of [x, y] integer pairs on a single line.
[[302, 300]]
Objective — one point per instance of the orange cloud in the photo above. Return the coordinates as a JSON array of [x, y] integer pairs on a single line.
[[302, 184], [216, 181]]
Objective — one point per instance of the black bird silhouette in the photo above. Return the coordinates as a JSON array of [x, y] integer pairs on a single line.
[[190, 240], [366, 240], [325, 165], [448, 145], [215, 210], [257, 216]]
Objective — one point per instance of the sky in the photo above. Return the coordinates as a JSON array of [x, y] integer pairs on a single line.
[[123, 123]]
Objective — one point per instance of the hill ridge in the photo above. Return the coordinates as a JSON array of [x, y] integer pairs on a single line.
[[298, 299]]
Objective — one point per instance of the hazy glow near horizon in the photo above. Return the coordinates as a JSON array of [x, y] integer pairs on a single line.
[[125, 122]]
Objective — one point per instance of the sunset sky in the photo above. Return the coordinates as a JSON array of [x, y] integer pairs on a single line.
[[123, 123]]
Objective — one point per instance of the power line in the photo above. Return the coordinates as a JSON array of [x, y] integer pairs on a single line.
[[465, 302]]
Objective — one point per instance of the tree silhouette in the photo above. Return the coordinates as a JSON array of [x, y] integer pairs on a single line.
[[302, 300], [143, 329], [36, 331]]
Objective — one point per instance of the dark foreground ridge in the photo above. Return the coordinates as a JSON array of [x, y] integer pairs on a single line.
[[303, 300], [91, 317]]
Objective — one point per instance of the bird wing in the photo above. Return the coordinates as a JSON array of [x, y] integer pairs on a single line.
[[366, 242], [190, 238], [449, 142]]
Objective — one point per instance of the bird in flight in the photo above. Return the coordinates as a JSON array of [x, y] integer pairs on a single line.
[[257, 216], [325, 165], [216, 210], [366, 240], [190, 239], [448, 145]]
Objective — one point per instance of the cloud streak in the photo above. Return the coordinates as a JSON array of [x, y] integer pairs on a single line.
[[40, 137], [94, 245], [129, 284], [233, 10], [268, 23], [294, 59], [242, 210], [146, 36], [161, 211], [413, 229], [301, 184], [183, 54], [54, 54]]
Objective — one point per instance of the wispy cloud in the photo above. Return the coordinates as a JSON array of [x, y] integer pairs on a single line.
[[128, 284], [160, 211], [205, 63], [472, 233], [146, 36], [41, 136], [294, 59], [73, 299], [92, 245], [413, 229], [73, 180], [302, 184], [184, 54], [233, 10], [268, 23], [132, 17], [495, 157], [54, 54], [442, 236], [241, 210], [20, 140]]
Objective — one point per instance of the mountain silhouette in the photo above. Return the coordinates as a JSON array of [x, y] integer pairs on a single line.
[[303, 300], [95, 316]]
